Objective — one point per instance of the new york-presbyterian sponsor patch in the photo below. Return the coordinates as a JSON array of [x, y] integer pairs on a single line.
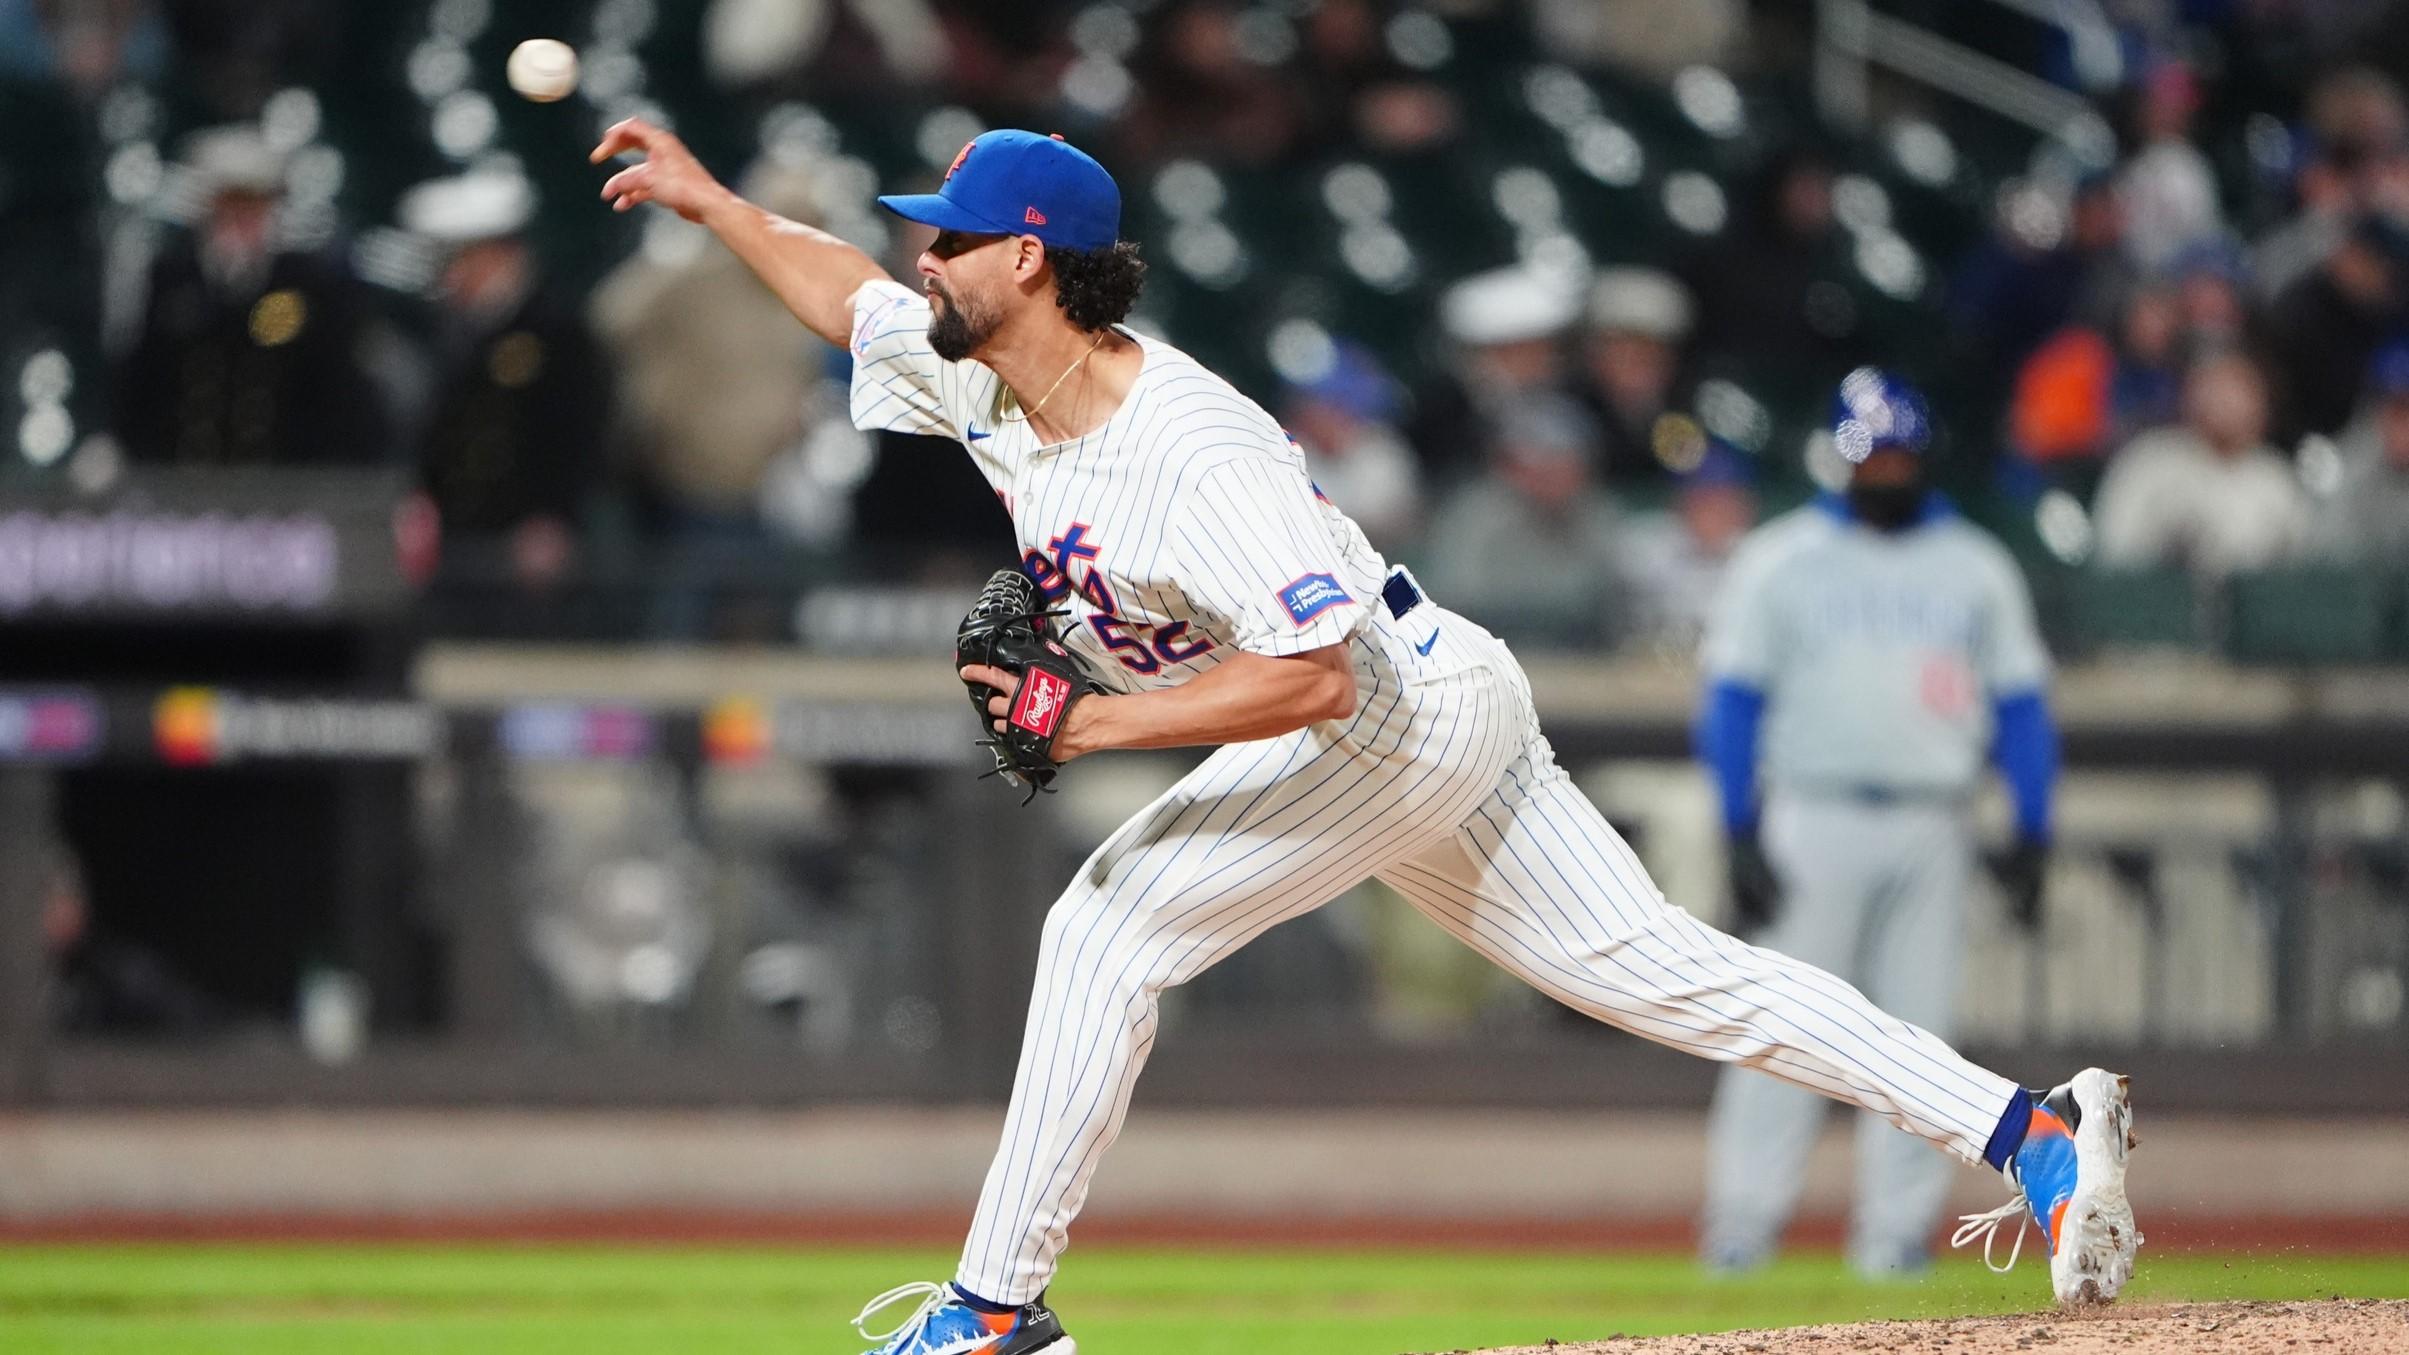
[[1311, 596]]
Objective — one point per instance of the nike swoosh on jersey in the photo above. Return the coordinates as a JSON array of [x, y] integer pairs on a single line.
[[1424, 648], [975, 434]]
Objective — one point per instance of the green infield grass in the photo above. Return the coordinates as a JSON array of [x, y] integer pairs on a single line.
[[168, 1299]]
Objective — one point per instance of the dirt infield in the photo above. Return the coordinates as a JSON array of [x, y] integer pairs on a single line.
[[2332, 1327]]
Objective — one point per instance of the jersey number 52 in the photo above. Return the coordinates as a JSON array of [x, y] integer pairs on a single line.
[[1170, 643]]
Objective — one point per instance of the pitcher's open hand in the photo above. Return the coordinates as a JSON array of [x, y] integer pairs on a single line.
[[668, 174]]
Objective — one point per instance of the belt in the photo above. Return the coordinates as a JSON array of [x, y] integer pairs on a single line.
[[1400, 595], [1872, 793]]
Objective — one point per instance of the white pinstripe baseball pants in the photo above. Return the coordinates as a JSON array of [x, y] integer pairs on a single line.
[[1444, 788]]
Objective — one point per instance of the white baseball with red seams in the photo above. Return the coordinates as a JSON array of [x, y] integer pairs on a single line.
[[1185, 528], [542, 69]]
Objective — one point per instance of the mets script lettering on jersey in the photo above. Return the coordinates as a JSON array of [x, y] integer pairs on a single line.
[[1312, 595], [1071, 565]]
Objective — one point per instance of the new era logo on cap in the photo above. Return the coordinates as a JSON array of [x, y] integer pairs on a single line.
[[1021, 183]]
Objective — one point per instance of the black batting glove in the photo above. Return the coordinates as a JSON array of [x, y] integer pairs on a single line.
[[2023, 873], [1756, 892]]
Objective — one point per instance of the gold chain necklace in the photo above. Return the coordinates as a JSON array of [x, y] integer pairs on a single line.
[[1076, 364]]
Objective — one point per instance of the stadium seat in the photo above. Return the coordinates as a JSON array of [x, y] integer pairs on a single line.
[[2312, 615], [2129, 609]]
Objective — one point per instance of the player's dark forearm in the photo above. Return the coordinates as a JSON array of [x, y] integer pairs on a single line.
[[1249, 697], [813, 272]]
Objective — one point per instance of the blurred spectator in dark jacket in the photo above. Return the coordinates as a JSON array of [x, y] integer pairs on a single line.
[[1673, 561], [2365, 519], [2167, 187], [2326, 326], [2043, 266], [1531, 548], [249, 354], [1777, 295], [1355, 89], [86, 45], [105, 984], [2355, 160], [513, 446], [1639, 318], [1505, 343], [1345, 419], [1204, 90], [2208, 495]]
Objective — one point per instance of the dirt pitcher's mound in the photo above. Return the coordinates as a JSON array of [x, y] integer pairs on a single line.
[[2326, 1327]]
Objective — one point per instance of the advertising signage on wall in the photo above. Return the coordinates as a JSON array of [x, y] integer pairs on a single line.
[[229, 545]]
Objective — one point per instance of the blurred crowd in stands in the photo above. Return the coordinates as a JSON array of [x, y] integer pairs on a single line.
[[1551, 293]]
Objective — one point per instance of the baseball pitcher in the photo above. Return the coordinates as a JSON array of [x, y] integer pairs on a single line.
[[1188, 586]]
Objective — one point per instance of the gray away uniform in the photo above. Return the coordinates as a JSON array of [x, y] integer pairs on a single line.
[[1879, 659]]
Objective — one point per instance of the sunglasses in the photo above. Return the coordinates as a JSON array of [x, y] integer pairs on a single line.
[[954, 244]]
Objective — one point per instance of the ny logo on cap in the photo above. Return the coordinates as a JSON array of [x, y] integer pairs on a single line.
[[960, 156]]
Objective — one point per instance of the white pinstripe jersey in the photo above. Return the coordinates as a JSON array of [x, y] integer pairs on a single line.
[[1183, 526]]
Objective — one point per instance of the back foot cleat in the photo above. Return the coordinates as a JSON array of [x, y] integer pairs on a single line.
[[945, 1325], [2070, 1179]]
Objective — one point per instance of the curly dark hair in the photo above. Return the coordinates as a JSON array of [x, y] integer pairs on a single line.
[[1097, 287]]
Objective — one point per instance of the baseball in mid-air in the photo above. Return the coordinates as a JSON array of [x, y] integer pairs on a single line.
[[543, 69]]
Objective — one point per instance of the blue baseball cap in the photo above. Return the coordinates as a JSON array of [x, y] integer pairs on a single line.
[[1355, 382], [2388, 371], [1021, 183], [1875, 409], [1720, 464]]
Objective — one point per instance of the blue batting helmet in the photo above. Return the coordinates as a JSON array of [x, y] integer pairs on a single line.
[[1875, 409]]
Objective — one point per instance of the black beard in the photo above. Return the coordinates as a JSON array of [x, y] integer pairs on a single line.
[[1887, 508], [956, 333]]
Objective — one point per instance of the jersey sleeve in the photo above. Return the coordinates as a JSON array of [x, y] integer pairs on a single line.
[[897, 378], [1254, 547], [2009, 654]]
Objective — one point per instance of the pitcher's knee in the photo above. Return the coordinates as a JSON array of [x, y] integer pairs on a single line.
[[1091, 945]]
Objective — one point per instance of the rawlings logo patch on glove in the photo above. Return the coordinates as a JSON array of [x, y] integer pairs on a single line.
[[1009, 628]]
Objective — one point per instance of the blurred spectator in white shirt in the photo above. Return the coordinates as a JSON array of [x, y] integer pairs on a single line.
[[1639, 319], [1654, 39], [1346, 421], [2365, 519], [1530, 548], [2207, 495], [2169, 191], [1673, 560], [682, 317], [1505, 330]]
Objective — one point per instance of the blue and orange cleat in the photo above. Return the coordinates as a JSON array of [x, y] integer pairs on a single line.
[[944, 1325], [2070, 1179]]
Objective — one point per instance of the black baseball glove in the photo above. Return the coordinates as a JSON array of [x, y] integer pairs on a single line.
[[1010, 628]]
